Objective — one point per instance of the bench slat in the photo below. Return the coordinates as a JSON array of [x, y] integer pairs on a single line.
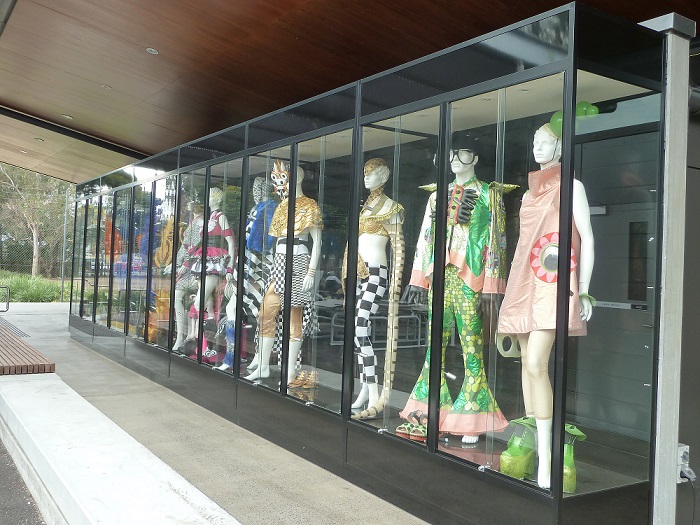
[[18, 357]]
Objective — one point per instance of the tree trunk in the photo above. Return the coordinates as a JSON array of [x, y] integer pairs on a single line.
[[35, 249]]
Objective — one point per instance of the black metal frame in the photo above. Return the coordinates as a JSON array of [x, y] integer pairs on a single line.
[[546, 507]]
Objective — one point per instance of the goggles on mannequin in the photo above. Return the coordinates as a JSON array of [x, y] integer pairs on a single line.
[[465, 156]]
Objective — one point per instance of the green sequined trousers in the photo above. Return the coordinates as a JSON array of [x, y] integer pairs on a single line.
[[474, 397]]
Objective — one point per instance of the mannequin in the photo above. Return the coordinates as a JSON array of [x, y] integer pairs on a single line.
[[258, 250], [308, 225], [381, 222], [218, 260], [475, 247], [185, 282], [529, 306]]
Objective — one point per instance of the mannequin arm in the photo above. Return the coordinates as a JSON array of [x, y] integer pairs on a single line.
[[310, 278], [582, 218], [223, 223]]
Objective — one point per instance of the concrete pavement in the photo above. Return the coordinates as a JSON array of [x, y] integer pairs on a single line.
[[248, 477]]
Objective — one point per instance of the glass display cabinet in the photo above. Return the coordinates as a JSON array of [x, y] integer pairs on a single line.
[[445, 276]]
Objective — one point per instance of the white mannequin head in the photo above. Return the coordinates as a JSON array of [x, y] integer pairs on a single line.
[[216, 196], [376, 173], [464, 153], [546, 147]]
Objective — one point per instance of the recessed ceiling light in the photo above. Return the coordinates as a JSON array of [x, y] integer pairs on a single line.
[[38, 139], [152, 51], [67, 116], [106, 86]]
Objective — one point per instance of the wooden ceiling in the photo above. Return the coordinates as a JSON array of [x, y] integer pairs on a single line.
[[219, 62]]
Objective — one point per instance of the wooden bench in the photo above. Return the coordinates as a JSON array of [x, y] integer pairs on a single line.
[[17, 357]]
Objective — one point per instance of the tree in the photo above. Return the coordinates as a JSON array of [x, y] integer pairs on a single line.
[[32, 211]]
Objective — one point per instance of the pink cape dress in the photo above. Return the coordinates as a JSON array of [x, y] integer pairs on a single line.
[[531, 292]]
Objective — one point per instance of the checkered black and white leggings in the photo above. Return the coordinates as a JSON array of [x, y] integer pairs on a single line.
[[369, 292]]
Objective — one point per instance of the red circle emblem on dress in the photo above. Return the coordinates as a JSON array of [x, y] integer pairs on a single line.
[[544, 257]]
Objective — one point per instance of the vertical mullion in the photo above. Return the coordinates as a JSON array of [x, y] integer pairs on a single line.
[[438, 284], [357, 160]]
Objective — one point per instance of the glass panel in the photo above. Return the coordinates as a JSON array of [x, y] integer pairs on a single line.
[[120, 257], [90, 258], [188, 262], [521, 371], [611, 370], [606, 104], [104, 261], [265, 268], [209, 148], [78, 258], [117, 178], [391, 338], [139, 260], [161, 261], [470, 415], [532, 45], [154, 166], [329, 109], [627, 51], [220, 282], [315, 370]]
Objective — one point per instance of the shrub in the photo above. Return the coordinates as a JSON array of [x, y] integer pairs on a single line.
[[27, 289]]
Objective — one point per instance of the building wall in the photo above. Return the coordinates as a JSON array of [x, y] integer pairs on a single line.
[[689, 429]]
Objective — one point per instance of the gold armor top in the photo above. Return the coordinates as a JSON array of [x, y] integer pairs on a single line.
[[307, 214], [374, 224], [376, 212]]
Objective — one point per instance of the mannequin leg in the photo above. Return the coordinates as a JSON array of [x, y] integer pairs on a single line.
[[294, 349], [230, 333], [268, 313], [544, 452], [193, 323], [525, 377], [296, 338], [369, 291], [535, 362], [180, 319], [210, 284], [265, 350], [362, 397]]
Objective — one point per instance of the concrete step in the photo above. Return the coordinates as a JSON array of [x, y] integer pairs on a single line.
[[84, 469]]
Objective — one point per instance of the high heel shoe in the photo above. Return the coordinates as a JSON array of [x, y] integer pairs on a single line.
[[573, 434], [518, 460]]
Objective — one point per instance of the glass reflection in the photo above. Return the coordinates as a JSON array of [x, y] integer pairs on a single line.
[[317, 374], [161, 260], [381, 227], [258, 262], [306, 252], [139, 260], [78, 259], [221, 275], [189, 250], [91, 238], [474, 250], [120, 257], [530, 304], [103, 261]]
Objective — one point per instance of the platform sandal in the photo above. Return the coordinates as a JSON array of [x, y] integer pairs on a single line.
[[518, 460], [573, 434]]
